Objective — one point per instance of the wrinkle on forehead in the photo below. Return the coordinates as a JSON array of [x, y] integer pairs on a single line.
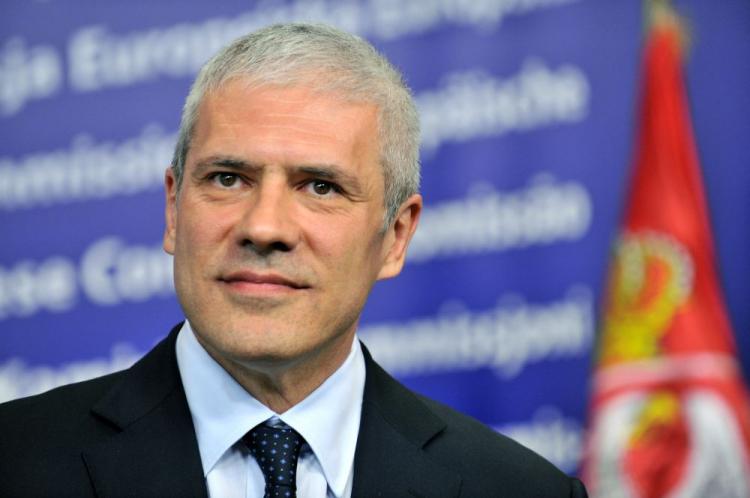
[[290, 126], [298, 111]]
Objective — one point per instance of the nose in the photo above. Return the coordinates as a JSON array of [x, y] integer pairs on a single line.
[[268, 223]]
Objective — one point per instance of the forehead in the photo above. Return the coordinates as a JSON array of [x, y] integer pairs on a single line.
[[285, 122]]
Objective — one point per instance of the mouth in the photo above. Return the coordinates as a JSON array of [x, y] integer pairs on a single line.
[[253, 283]]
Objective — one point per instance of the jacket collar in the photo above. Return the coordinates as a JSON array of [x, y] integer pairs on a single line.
[[395, 428], [154, 451]]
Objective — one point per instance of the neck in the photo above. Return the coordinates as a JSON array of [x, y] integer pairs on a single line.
[[281, 384]]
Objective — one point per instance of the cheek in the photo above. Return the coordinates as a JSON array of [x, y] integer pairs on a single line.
[[201, 225], [339, 243], [197, 240], [189, 236], [354, 254], [195, 257]]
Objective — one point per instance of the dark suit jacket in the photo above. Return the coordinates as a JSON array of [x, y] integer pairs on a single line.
[[131, 434]]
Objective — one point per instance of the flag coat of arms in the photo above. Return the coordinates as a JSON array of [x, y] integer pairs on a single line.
[[669, 413]]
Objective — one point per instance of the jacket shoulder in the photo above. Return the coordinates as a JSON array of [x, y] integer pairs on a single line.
[[43, 436], [489, 460], [486, 462], [54, 413], [45, 451], [93, 387]]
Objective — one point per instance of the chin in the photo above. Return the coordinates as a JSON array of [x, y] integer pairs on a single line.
[[261, 343]]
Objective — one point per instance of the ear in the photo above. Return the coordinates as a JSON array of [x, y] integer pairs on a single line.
[[170, 192], [399, 235]]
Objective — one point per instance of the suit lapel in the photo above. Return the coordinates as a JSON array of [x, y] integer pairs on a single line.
[[395, 427], [155, 451]]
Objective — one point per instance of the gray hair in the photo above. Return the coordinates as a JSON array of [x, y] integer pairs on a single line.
[[330, 61]]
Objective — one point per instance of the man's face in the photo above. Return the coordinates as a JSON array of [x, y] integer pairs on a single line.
[[276, 231]]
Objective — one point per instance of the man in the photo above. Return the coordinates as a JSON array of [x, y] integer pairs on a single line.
[[292, 190]]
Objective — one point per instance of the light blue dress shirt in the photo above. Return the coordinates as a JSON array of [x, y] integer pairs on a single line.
[[223, 412]]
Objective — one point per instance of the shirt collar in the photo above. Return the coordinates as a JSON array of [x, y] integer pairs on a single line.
[[223, 411], [329, 418]]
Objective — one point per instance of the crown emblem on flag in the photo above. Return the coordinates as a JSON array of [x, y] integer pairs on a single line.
[[652, 276]]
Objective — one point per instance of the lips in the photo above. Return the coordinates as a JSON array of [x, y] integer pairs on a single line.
[[253, 279]]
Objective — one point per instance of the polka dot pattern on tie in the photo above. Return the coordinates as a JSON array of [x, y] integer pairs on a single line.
[[276, 449]]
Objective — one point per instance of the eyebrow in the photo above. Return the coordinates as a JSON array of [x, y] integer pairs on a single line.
[[227, 162]]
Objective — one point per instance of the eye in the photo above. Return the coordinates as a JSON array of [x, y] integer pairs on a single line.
[[226, 180], [321, 187]]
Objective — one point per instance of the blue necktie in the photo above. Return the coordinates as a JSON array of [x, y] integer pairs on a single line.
[[276, 449]]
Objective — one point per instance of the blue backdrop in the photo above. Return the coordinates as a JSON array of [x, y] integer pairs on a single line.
[[527, 109]]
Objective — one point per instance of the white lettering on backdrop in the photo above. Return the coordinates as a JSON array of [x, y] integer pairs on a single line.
[[98, 58], [545, 212], [27, 73], [473, 104], [86, 170], [110, 272], [506, 338]]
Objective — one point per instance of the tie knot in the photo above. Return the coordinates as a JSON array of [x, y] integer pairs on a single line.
[[276, 450]]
